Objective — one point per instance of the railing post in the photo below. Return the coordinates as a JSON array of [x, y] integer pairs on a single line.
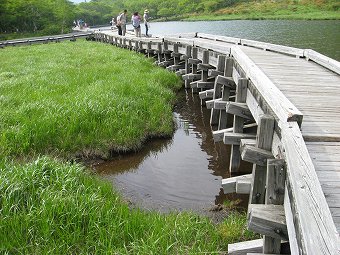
[[228, 70], [241, 96]]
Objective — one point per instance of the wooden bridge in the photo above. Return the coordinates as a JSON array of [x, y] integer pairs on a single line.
[[277, 107]]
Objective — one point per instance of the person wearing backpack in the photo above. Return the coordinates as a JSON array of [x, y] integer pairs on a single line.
[[121, 23], [136, 19]]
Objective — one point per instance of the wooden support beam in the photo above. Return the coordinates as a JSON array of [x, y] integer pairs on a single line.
[[226, 81], [268, 220], [220, 104], [218, 134], [187, 68], [180, 72], [241, 93], [214, 73], [276, 177], [205, 84], [193, 61], [191, 76], [235, 138], [207, 94], [243, 186], [264, 140], [215, 114], [229, 185], [249, 142], [229, 63], [205, 67], [245, 247], [239, 109], [255, 155], [210, 103]]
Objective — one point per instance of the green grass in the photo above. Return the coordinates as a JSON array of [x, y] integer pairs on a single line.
[[81, 98], [49, 207], [87, 98]]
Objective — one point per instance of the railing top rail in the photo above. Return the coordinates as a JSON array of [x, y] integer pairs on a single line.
[[274, 47], [314, 226], [281, 106], [219, 38], [322, 60]]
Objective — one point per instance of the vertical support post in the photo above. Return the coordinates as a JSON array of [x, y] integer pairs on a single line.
[[204, 73], [136, 46], [228, 70], [194, 66], [140, 46], [166, 51], [215, 114], [149, 50], [176, 57], [188, 50], [275, 184], [159, 52], [241, 96], [264, 138]]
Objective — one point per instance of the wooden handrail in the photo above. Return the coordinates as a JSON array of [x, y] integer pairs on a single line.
[[274, 47], [219, 38], [323, 60], [314, 226], [280, 105]]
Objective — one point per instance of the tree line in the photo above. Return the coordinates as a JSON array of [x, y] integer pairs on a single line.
[[57, 16]]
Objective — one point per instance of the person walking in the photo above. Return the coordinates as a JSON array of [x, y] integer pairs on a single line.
[[121, 23], [146, 22], [136, 19]]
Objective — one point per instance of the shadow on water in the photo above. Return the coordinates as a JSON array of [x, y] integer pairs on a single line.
[[180, 173]]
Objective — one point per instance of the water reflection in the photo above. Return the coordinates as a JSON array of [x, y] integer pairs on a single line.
[[181, 173]]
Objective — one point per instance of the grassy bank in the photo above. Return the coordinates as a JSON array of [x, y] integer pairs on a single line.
[[48, 207], [303, 10], [86, 98], [81, 98]]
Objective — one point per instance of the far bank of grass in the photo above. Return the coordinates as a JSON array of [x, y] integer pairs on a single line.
[[296, 10], [81, 98], [87, 98]]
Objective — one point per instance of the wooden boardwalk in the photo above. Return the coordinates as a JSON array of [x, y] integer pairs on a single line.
[[294, 187], [315, 91], [278, 108]]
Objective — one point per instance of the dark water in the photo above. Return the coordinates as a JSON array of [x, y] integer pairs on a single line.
[[185, 172]]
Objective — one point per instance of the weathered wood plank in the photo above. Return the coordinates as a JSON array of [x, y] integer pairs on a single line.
[[245, 247], [229, 184], [235, 138], [281, 106], [264, 140], [315, 230], [274, 47], [255, 155], [239, 109], [323, 60], [268, 220]]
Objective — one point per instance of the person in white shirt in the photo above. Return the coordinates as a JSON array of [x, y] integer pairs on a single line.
[[121, 23], [146, 22]]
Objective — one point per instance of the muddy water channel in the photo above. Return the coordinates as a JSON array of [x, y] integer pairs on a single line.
[[181, 173]]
